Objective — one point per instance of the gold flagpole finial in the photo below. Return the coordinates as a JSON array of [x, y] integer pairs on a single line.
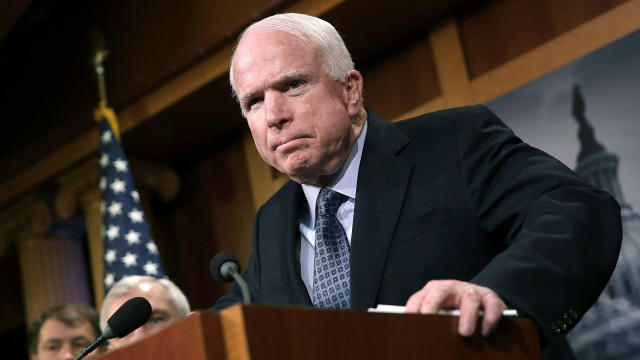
[[99, 54], [98, 59], [102, 111]]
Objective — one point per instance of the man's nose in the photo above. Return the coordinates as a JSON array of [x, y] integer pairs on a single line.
[[275, 108], [67, 352]]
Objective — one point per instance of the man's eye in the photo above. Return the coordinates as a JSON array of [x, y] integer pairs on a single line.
[[80, 344], [295, 84], [52, 347], [252, 102], [157, 319]]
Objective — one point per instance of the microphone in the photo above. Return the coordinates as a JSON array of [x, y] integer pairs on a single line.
[[130, 316], [225, 267]]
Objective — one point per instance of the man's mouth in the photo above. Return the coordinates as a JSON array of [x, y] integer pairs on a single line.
[[289, 142]]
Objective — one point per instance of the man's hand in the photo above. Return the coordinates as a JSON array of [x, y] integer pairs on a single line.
[[468, 297]]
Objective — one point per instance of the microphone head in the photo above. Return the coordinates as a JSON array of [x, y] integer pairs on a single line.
[[130, 316], [223, 265]]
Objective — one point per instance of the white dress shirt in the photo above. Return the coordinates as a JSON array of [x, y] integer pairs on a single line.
[[345, 182]]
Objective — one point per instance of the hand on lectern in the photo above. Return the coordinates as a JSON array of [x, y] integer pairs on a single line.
[[469, 298]]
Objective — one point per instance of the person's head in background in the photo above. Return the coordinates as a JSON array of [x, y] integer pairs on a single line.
[[62, 332], [168, 304]]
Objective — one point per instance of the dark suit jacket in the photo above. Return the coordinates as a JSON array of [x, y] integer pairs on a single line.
[[455, 195]]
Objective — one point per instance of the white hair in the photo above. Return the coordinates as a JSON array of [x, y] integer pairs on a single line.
[[312, 31], [124, 285]]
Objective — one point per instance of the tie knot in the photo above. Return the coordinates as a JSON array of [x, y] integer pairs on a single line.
[[328, 202]]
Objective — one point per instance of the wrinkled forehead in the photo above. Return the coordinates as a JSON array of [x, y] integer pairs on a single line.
[[267, 53], [264, 41], [55, 329], [154, 292]]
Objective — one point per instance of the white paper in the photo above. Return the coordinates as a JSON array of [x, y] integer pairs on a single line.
[[396, 309]]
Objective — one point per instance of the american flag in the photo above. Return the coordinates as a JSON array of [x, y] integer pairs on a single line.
[[128, 246]]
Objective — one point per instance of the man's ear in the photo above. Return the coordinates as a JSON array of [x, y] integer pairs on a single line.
[[353, 91]]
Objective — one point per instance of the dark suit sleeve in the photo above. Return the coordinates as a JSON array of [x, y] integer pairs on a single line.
[[561, 235], [251, 276]]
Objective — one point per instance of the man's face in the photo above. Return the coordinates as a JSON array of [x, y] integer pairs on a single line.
[[163, 312], [58, 341], [300, 118]]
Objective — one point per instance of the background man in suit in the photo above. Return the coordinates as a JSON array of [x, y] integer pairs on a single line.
[[62, 332], [168, 305], [446, 210]]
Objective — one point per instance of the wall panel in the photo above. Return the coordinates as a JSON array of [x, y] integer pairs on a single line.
[[213, 213], [402, 80], [502, 30]]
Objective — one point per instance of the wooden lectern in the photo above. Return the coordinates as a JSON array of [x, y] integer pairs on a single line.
[[264, 332]]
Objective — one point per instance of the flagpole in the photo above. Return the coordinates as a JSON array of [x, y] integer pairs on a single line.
[[98, 59], [102, 111]]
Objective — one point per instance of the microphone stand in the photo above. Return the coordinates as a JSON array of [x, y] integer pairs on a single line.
[[91, 347], [243, 286]]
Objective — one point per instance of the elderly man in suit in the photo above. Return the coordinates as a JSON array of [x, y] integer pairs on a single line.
[[168, 305], [445, 210]]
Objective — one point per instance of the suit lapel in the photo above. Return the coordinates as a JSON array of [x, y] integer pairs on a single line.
[[287, 237], [382, 183]]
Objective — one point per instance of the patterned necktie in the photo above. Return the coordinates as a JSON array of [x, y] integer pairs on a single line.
[[331, 274]]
